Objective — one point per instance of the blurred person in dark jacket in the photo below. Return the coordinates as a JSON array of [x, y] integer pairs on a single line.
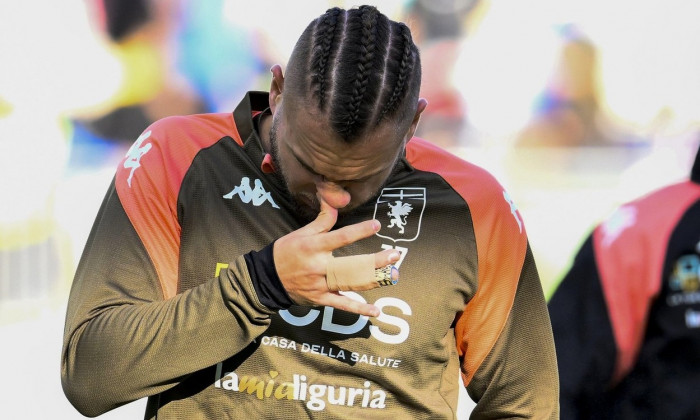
[[626, 317]]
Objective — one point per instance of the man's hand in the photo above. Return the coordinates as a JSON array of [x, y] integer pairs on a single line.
[[302, 257]]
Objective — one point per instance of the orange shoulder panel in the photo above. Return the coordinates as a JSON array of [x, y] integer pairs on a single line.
[[501, 244], [148, 180], [630, 248]]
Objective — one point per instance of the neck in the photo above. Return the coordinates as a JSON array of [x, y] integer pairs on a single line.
[[264, 128]]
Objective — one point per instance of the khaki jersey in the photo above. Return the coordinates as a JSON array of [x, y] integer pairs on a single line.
[[163, 306]]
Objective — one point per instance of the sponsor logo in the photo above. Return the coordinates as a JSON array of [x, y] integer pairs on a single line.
[[135, 153], [684, 282], [330, 351], [685, 276], [327, 323], [256, 195], [316, 396], [400, 211]]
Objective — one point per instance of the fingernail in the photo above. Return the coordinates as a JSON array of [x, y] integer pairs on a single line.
[[394, 275], [394, 256], [376, 225]]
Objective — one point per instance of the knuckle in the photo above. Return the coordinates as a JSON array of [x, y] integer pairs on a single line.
[[303, 247], [345, 237], [354, 233]]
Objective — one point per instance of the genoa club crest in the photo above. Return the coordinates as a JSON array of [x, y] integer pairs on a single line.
[[400, 211]]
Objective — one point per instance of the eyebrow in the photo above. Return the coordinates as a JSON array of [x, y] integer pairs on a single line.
[[310, 169]]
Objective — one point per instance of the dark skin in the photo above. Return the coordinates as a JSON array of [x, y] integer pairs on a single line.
[[327, 176]]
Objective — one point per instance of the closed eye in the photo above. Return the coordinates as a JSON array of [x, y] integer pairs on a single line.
[[337, 181]]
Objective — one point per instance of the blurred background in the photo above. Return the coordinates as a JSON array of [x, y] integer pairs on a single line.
[[575, 106]]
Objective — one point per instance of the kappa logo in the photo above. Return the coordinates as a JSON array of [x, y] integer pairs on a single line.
[[400, 211], [513, 210], [622, 219], [135, 153], [257, 195]]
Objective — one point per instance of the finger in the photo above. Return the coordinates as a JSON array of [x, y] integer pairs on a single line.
[[333, 194], [386, 257], [325, 220], [351, 273], [344, 303], [349, 234], [328, 213], [357, 273]]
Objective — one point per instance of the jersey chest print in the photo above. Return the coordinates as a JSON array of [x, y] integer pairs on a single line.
[[401, 211]]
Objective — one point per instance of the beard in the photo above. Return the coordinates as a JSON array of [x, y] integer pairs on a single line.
[[305, 205]]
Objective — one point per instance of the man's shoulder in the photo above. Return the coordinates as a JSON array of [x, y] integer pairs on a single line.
[[486, 198], [179, 138], [198, 128], [460, 173], [668, 199], [167, 147], [653, 214]]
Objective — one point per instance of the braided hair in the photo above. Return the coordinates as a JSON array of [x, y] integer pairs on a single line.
[[358, 68]]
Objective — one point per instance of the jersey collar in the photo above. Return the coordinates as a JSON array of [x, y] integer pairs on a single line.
[[253, 104]]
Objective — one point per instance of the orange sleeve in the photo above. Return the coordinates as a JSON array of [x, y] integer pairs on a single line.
[[149, 177], [501, 248]]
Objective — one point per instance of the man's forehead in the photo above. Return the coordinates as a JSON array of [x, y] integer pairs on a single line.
[[314, 145], [305, 119], [310, 122]]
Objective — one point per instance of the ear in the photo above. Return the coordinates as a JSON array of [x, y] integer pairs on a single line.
[[422, 104], [276, 87]]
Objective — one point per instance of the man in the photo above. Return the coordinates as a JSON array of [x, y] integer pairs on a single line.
[[626, 317], [210, 282]]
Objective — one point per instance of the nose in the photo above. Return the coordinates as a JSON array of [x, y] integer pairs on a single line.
[[333, 194]]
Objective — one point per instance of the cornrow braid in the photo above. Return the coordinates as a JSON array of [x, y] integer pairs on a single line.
[[364, 66], [358, 68], [401, 77], [326, 31]]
